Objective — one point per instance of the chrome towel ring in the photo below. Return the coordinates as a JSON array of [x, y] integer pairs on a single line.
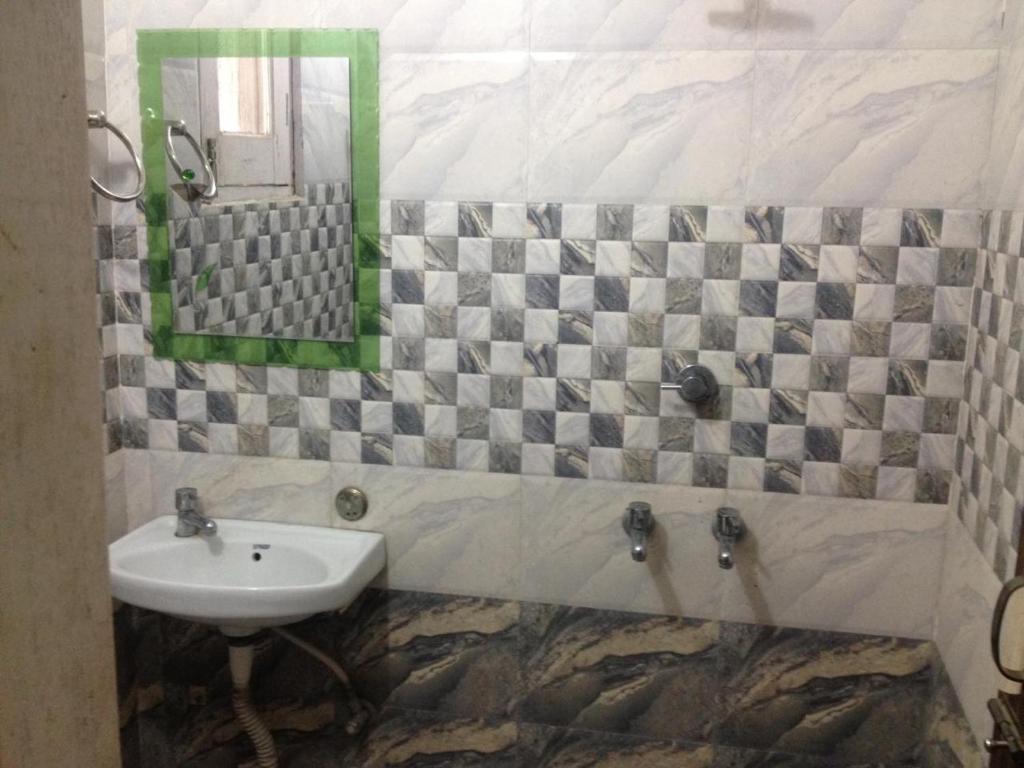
[[98, 119], [997, 628], [178, 128]]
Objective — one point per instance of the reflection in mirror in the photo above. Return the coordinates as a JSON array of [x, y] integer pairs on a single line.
[[1010, 644], [267, 251]]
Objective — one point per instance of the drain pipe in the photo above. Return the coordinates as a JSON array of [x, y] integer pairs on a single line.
[[240, 655]]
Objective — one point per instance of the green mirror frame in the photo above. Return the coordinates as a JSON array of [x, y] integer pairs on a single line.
[[360, 47]]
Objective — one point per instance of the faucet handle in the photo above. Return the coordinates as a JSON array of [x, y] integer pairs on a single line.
[[638, 517], [186, 498], [695, 384]]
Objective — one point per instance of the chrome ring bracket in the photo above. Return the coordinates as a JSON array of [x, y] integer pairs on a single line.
[[98, 119], [178, 128], [351, 503], [997, 628]]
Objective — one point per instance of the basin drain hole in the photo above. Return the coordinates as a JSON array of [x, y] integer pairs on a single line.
[[257, 556]]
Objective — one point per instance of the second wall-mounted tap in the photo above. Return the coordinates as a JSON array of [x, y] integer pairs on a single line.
[[638, 523], [728, 530]]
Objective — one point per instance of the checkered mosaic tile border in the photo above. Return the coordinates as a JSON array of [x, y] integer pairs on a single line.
[[990, 484], [281, 269], [533, 338]]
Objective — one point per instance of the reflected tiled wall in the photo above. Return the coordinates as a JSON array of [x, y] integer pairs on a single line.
[[533, 339], [281, 269]]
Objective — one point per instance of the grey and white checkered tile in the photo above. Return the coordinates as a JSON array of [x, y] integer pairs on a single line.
[[533, 339], [262, 269], [989, 486]]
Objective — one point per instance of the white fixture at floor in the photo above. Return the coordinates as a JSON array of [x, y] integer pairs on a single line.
[[248, 575]]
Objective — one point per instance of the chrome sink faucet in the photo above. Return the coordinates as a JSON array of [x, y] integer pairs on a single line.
[[638, 523], [190, 520]]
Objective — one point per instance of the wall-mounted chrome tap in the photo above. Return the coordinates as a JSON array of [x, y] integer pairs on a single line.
[[638, 523], [190, 520], [728, 529]]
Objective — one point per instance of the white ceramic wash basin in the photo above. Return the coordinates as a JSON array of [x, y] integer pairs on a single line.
[[250, 574]]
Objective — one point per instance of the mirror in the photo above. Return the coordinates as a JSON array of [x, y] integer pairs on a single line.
[[1007, 629], [259, 196]]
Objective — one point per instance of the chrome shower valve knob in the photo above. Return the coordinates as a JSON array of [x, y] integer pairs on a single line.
[[695, 384]]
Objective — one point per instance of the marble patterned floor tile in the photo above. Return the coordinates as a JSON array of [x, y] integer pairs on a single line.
[[432, 652], [186, 718], [589, 688], [728, 757], [948, 741], [542, 746], [618, 672], [410, 739], [851, 698]]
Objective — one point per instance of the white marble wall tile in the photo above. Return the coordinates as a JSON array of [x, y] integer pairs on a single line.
[[839, 564], [966, 600], [454, 126], [436, 25], [463, 136], [807, 562], [879, 23], [637, 25], [871, 127], [575, 551], [114, 495], [215, 13], [1006, 159], [282, 490], [639, 127], [137, 488], [446, 531]]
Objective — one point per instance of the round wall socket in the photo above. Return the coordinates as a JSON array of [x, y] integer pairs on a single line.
[[351, 503]]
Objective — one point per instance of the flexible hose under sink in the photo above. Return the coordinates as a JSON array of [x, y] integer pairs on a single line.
[[362, 715], [240, 657]]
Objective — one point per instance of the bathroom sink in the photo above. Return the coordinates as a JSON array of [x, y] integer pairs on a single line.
[[248, 575]]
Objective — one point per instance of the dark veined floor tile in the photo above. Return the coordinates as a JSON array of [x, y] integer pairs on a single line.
[[948, 739], [618, 672], [542, 746], [853, 698], [434, 652], [410, 739]]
